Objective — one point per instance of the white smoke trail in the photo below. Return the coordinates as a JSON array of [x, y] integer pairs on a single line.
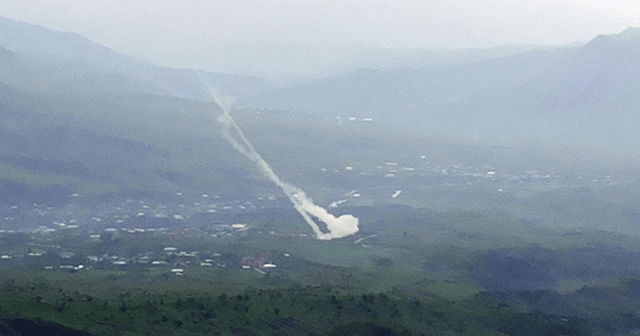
[[340, 227]]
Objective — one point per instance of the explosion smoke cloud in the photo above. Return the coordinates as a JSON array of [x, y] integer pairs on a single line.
[[340, 227]]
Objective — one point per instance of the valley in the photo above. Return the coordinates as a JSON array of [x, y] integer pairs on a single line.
[[496, 193]]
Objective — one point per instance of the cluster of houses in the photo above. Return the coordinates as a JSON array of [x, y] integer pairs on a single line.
[[44, 239], [420, 166], [417, 170], [127, 212], [170, 258]]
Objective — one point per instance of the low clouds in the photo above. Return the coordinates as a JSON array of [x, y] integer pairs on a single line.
[[171, 25]]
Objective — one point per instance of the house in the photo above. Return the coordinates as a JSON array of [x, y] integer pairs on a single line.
[[240, 227], [258, 262]]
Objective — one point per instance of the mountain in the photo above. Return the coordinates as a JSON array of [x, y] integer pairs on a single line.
[[605, 67], [28, 38], [80, 118], [570, 96], [288, 63], [77, 125], [53, 61], [52, 146]]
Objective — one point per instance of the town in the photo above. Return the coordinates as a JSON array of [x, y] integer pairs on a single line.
[[142, 234]]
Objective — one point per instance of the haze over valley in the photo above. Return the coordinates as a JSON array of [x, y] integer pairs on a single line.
[[387, 190]]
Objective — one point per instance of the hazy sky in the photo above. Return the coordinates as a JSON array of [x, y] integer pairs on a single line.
[[398, 23], [145, 28]]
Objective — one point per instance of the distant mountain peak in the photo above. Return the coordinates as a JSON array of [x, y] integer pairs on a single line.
[[22, 37], [632, 34], [632, 30], [624, 45]]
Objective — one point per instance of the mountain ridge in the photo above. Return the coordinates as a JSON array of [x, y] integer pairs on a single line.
[[24, 37], [154, 132], [557, 96], [63, 60]]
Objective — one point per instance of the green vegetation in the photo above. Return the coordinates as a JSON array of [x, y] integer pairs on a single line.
[[322, 310], [119, 193], [441, 277]]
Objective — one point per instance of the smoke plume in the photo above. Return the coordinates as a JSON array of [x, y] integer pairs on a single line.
[[340, 227]]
